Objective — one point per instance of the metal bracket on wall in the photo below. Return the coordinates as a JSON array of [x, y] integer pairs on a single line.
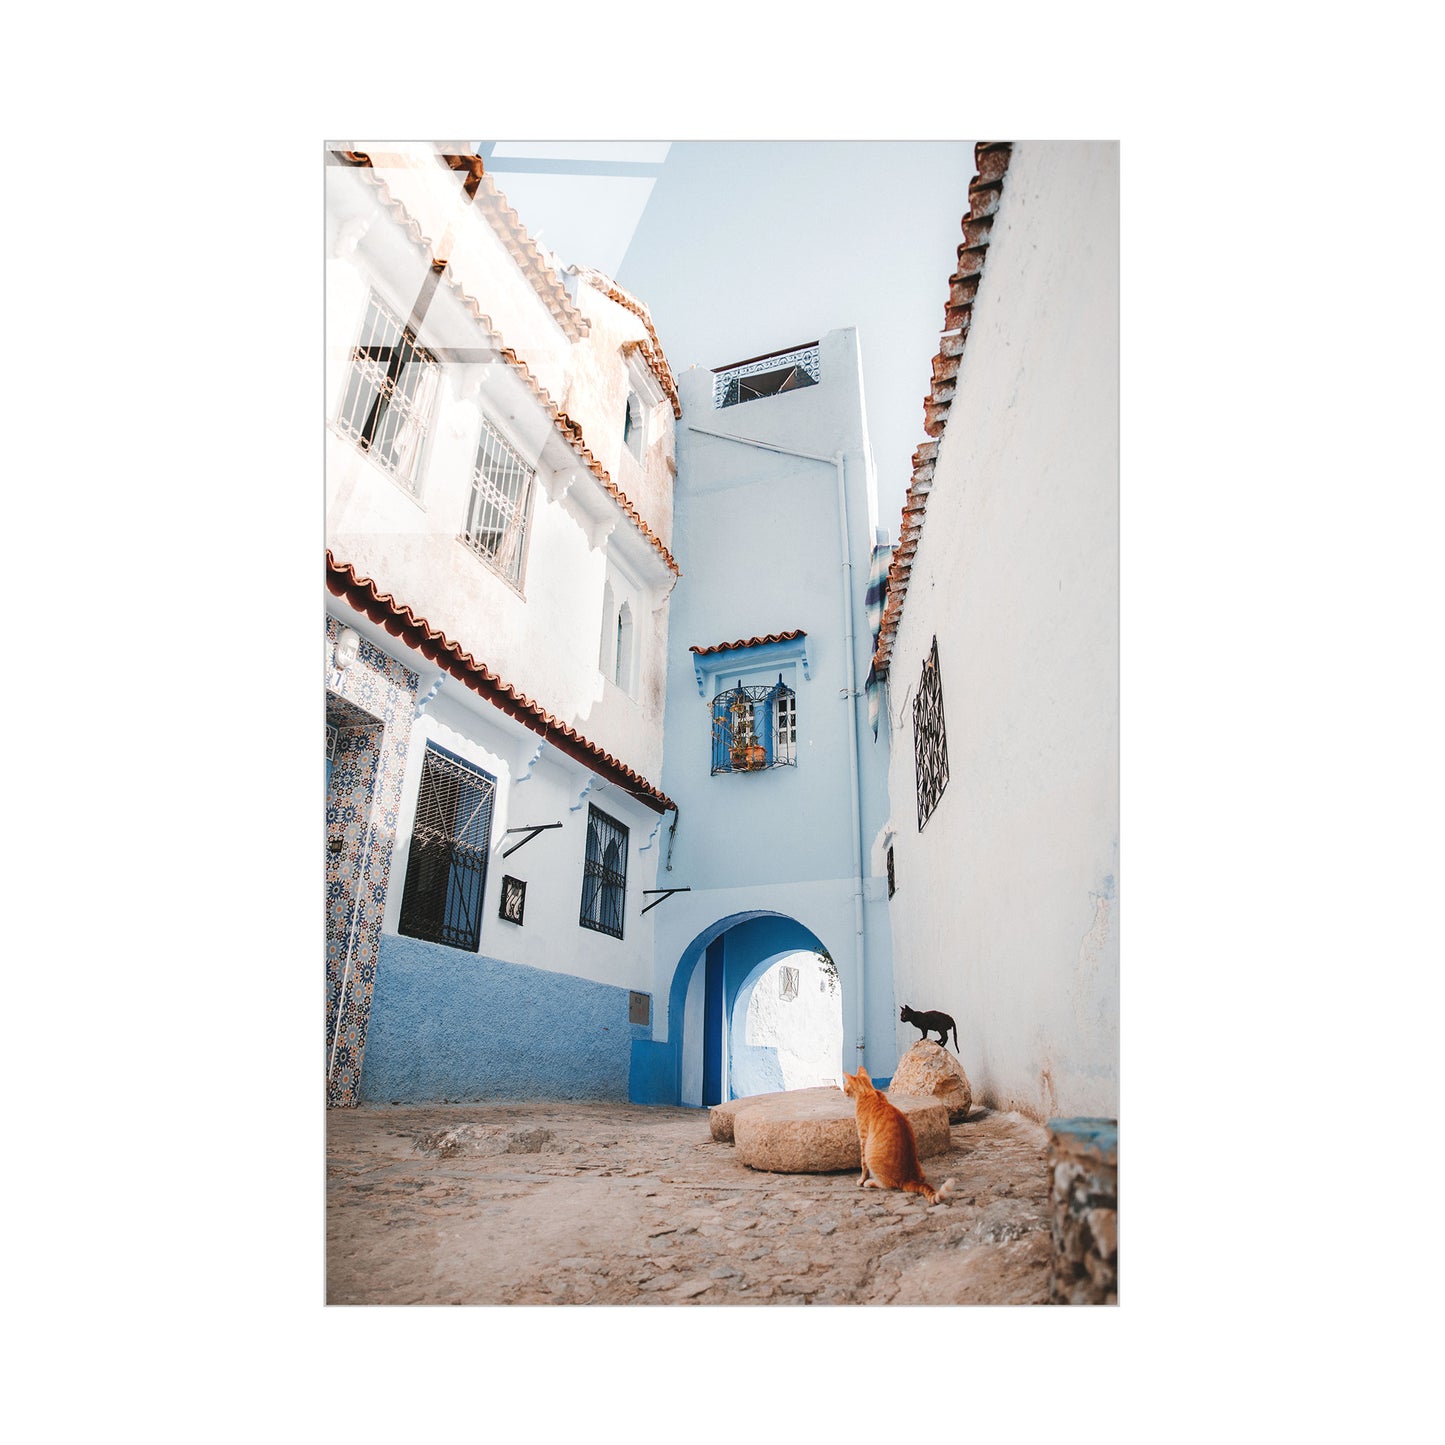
[[531, 830], [666, 894]]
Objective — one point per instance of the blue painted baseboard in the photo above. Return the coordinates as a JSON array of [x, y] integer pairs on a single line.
[[448, 1025]]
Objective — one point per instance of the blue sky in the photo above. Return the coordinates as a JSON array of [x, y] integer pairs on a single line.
[[743, 247]]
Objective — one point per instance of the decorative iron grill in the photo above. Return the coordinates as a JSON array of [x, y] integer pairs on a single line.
[[499, 506], [754, 728], [446, 866], [787, 982], [604, 874], [930, 746], [767, 376], [389, 393]]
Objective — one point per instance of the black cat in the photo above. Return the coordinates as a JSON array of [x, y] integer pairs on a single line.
[[931, 1020]]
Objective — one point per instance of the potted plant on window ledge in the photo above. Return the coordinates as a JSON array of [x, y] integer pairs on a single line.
[[748, 754]]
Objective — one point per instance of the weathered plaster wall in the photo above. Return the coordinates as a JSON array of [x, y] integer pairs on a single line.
[[597, 387], [1006, 911]]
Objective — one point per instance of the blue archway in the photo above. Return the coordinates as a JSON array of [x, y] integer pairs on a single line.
[[729, 952]]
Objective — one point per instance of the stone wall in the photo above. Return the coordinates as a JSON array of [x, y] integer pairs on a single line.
[[1083, 1166]]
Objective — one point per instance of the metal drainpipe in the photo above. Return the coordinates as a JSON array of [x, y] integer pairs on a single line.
[[836, 460]]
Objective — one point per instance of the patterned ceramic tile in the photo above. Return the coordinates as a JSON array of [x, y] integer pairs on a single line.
[[370, 706]]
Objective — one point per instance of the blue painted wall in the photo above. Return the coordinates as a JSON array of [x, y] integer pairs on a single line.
[[453, 1025]]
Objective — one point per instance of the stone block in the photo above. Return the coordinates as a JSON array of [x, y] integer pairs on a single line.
[[929, 1070], [814, 1131]]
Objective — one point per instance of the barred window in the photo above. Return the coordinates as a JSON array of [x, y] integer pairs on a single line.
[[930, 745], [446, 866], [787, 982], [500, 505], [754, 728], [389, 394], [604, 874]]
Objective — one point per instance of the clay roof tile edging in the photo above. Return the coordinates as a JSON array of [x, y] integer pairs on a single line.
[[991, 158], [383, 608]]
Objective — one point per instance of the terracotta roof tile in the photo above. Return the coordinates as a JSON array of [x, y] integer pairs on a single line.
[[342, 580], [749, 642], [482, 190], [991, 159]]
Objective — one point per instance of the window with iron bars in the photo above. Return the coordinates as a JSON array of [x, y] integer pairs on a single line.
[[389, 394], [604, 874], [930, 744], [500, 505], [754, 728], [446, 865]]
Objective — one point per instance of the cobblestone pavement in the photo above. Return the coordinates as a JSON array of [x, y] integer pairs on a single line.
[[609, 1204]]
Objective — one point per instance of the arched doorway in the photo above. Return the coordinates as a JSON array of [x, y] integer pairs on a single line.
[[694, 1065]]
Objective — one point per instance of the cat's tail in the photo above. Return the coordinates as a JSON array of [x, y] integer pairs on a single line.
[[955, 1038], [932, 1195]]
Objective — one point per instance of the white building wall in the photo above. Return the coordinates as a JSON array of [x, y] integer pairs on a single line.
[[1006, 910], [551, 863], [543, 636]]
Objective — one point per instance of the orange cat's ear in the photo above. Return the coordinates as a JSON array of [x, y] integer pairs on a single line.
[[864, 1074]]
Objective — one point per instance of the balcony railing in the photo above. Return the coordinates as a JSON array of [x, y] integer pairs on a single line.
[[766, 376]]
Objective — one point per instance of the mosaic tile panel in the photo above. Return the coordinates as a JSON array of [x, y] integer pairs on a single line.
[[371, 706]]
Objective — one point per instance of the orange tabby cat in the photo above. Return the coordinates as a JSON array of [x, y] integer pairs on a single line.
[[887, 1143]]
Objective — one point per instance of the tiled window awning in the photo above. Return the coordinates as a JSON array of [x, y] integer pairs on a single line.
[[775, 647]]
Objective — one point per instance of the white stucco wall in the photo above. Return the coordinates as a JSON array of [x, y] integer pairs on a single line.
[[551, 864], [758, 540], [1006, 910]]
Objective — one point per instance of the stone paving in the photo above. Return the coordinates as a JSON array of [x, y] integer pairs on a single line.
[[611, 1204]]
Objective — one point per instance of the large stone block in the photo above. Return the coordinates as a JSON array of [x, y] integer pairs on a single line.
[[814, 1131], [930, 1071]]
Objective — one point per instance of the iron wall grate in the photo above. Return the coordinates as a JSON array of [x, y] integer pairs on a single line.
[[930, 745]]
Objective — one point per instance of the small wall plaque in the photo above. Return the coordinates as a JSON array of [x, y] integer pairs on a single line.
[[639, 1008], [514, 900]]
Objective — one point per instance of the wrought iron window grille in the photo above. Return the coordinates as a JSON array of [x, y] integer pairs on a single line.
[[930, 744], [766, 376], [500, 505], [604, 874], [754, 728], [446, 866], [787, 982], [389, 394]]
